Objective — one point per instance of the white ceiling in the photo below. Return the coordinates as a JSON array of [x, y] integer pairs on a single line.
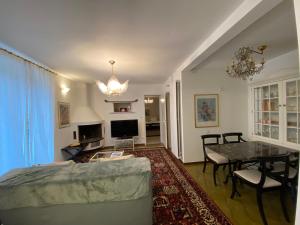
[[147, 38], [276, 29]]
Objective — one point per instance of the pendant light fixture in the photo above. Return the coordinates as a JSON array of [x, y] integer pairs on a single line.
[[113, 87], [245, 66]]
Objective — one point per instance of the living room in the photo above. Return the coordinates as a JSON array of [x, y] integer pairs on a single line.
[[76, 134]]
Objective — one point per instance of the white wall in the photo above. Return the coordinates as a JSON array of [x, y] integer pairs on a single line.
[[135, 91], [297, 14], [283, 66], [170, 86], [64, 136], [233, 108]]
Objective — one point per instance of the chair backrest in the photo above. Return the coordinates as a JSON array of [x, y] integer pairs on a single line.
[[281, 176], [210, 139], [236, 135]]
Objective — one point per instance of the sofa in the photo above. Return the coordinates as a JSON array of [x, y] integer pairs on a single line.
[[102, 193]]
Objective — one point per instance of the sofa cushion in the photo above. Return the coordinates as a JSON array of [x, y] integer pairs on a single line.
[[119, 180]]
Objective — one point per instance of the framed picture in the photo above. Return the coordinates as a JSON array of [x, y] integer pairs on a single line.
[[206, 110], [63, 114]]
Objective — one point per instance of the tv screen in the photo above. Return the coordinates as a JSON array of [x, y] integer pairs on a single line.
[[124, 128]]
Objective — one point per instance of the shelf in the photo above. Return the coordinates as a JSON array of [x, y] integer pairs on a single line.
[[120, 112], [272, 122], [129, 101]]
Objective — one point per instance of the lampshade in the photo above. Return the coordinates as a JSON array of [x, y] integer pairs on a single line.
[[113, 87]]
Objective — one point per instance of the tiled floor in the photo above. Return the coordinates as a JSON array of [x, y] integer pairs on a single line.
[[241, 210]]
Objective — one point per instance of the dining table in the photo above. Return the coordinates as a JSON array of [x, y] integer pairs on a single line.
[[250, 150]]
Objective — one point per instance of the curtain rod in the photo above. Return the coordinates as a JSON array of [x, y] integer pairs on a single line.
[[29, 61]]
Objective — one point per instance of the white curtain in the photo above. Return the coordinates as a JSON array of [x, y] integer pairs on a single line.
[[26, 114]]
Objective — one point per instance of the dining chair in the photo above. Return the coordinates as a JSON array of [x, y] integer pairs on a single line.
[[211, 156], [265, 180], [292, 180], [237, 137]]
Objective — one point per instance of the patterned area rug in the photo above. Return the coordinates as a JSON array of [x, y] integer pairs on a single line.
[[177, 199]]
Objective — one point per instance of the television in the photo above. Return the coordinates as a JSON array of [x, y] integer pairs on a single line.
[[124, 128]]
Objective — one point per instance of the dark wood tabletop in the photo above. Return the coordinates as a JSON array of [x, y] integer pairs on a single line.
[[251, 150]]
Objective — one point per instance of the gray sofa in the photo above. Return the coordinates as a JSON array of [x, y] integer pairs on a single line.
[[102, 193]]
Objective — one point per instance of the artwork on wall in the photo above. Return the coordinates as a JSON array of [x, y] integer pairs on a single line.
[[63, 114], [206, 110]]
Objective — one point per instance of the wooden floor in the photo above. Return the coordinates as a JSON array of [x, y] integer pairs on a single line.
[[241, 210]]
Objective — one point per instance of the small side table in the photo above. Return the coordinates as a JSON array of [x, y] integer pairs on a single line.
[[127, 143]]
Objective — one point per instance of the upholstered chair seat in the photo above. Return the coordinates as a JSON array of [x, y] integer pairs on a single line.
[[254, 176], [217, 158]]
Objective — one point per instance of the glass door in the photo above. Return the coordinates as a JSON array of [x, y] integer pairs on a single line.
[[293, 111], [266, 111]]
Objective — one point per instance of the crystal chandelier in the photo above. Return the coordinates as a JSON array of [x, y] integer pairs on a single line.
[[148, 100], [245, 66], [113, 87]]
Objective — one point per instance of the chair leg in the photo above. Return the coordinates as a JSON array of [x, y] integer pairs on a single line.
[[282, 200], [215, 171], [294, 191], [233, 191], [260, 206], [204, 167], [229, 173]]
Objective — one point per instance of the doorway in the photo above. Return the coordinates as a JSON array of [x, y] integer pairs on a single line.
[[152, 118]]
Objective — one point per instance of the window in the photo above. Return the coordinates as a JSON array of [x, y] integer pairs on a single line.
[[26, 114]]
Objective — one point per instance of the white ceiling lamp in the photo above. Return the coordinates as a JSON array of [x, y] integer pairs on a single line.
[[113, 87], [148, 100]]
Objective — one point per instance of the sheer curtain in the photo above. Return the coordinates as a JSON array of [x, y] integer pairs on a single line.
[[26, 114]]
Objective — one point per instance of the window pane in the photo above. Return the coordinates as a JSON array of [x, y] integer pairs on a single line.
[[258, 129], [292, 135], [266, 131], [266, 118], [266, 92], [274, 104], [291, 88], [274, 132], [292, 119], [274, 118], [274, 91]]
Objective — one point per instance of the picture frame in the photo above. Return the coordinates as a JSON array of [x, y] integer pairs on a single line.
[[206, 110], [63, 114]]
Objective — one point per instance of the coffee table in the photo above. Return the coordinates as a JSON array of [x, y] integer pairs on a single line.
[[106, 155]]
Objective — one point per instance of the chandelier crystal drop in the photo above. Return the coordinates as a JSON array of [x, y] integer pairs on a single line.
[[244, 66], [113, 87]]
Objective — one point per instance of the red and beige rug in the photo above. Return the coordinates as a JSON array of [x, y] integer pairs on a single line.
[[177, 198]]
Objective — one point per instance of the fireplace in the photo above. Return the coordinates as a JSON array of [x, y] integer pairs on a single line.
[[91, 135]]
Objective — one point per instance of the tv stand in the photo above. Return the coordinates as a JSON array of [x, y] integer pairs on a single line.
[[124, 143]]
